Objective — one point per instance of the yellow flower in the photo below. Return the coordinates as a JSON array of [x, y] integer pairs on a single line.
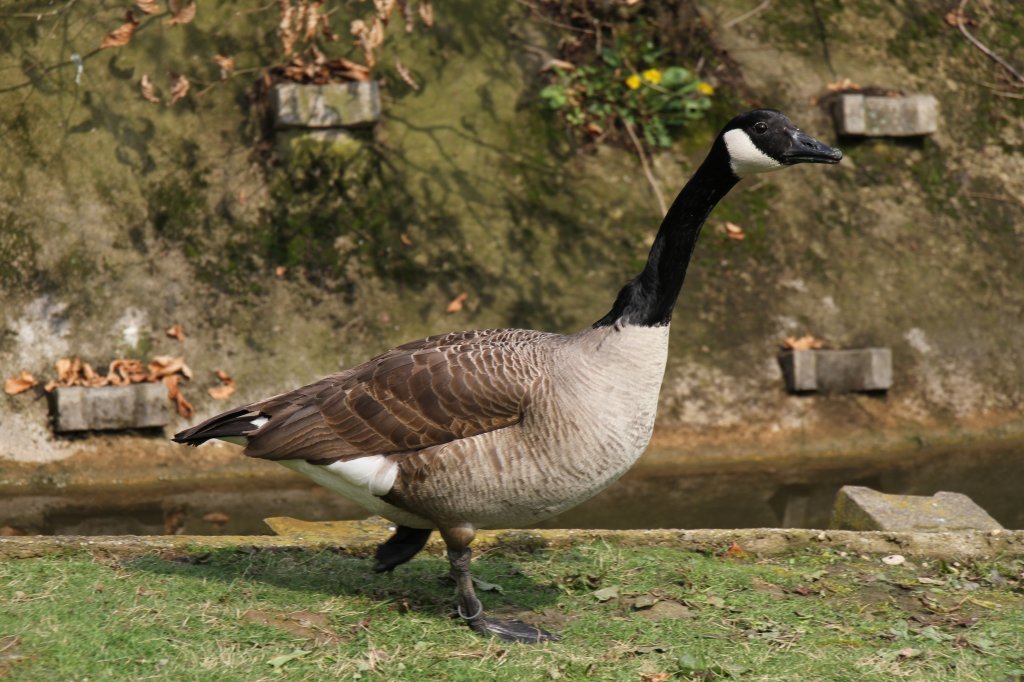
[[652, 76], [633, 82], [705, 88]]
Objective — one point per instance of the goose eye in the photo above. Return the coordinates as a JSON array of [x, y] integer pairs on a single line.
[[761, 127]]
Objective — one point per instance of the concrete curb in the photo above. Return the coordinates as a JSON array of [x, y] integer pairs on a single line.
[[360, 538]]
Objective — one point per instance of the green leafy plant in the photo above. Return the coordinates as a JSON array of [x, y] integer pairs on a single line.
[[617, 91]]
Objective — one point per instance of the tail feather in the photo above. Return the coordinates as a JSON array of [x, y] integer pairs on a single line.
[[233, 425]]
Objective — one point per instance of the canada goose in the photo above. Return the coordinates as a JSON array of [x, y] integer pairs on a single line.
[[500, 428]]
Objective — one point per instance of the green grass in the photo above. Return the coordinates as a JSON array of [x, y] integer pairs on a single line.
[[298, 615]]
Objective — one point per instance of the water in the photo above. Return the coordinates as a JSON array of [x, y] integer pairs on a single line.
[[769, 493]]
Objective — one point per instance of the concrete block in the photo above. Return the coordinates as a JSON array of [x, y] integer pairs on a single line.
[[860, 508], [837, 371], [338, 105], [872, 116], [137, 406]]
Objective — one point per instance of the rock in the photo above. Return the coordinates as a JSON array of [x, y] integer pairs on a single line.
[[860, 508], [138, 406], [338, 105], [903, 116], [837, 371]]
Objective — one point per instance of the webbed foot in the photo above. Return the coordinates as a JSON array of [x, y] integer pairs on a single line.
[[512, 630]]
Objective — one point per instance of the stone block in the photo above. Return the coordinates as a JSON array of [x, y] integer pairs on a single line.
[[860, 508], [837, 371], [137, 406], [338, 105], [903, 116]]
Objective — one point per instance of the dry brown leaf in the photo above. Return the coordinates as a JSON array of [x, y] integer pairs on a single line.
[[175, 331], [408, 15], [148, 90], [121, 35], [174, 394], [384, 9], [20, 383], [405, 239], [456, 303], [655, 677], [842, 85], [227, 387], [558, 64], [375, 37], [405, 75], [806, 342], [165, 365], [955, 18], [734, 231], [181, 15], [226, 64], [280, 271], [179, 88], [735, 551], [148, 6], [427, 13], [312, 22], [216, 518]]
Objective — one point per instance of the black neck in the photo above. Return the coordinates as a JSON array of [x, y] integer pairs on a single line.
[[648, 299]]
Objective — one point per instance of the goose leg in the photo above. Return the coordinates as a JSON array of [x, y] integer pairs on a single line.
[[468, 605], [400, 547]]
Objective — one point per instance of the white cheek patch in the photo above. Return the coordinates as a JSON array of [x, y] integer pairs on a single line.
[[744, 156]]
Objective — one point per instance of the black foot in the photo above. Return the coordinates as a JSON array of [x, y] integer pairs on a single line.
[[512, 630], [400, 547]]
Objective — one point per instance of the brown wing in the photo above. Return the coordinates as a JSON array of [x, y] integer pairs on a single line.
[[421, 394]]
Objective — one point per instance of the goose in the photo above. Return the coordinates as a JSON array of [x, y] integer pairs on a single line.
[[500, 428]]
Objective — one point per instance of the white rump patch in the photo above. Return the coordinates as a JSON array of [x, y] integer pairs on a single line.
[[259, 421], [356, 479], [745, 157]]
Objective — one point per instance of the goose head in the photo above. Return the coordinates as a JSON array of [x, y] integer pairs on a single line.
[[764, 140]]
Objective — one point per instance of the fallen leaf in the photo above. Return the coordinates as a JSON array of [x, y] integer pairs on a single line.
[[735, 552], [806, 342], [227, 387], [216, 518], [148, 90], [842, 85], [485, 586], [280, 271], [893, 559], [734, 231], [384, 9], [594, 129], [20, 383], [955, 18], [908, 652], [148, 6], [455, 305], [405, 74], [226, 64], [175, 331], [181, 15], [121, 35], [404, 238], [606, 593], [644, 601], [174, 394], [179, 88], [164, 365], [558, 64], [427, 13], [655, 677]]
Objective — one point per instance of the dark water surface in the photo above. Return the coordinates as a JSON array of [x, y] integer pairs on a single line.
[[768, 493]]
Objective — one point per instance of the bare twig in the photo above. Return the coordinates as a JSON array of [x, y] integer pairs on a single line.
[[962, 25], [645, 164], [547, 20], [746, 15]]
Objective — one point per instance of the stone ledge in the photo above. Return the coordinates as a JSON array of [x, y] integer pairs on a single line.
[[137, 406], [837, 371], [360, 538], [874, 116]]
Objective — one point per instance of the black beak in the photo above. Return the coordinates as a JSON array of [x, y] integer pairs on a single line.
[[805, 149]]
